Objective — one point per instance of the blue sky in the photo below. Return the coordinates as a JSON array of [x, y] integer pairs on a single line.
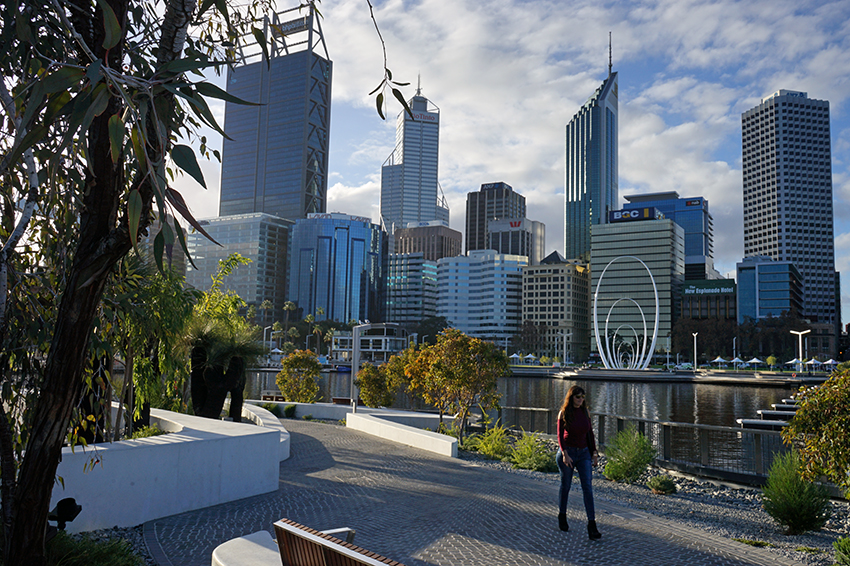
[[508, 75]]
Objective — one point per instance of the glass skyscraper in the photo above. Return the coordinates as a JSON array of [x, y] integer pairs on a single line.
[[409, 187], [693, 216], [591, 173], [337, 264], [788, 213], [277, 158], [263, 239]]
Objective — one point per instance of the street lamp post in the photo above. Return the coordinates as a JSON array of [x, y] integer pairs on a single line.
[[567, 336], [265, 342], [668, 352], [355, 360], [799, 334], [695, 349]]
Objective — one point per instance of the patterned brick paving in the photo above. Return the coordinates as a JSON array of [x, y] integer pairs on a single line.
[[422, 509]]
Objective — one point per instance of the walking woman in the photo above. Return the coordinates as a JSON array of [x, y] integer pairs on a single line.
[[577, 453]]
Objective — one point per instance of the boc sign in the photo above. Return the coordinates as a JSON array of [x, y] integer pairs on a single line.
[[647, 213]]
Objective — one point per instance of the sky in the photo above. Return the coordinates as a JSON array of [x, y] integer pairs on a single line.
[[508, 75]]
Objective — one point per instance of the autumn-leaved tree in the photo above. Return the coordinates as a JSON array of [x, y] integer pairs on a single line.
[[374, 389], [818, 430], [297, 378]]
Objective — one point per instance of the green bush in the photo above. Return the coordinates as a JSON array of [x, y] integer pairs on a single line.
[[66, 550], [493, 443], [273, 408], [532, 453], [148, 431], [796, 504], [842, 551], [662, 485], [289, 411], [629, 454]]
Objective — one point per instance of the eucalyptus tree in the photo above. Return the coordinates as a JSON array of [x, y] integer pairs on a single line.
[[99, 99]]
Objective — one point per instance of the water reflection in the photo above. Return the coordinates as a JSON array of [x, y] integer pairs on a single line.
[[540, 399]]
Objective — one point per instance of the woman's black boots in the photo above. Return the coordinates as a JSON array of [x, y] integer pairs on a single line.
[[562, 522], [592, 531]]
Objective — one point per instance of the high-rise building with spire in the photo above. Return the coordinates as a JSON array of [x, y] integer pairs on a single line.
[[276, 160], [788, 213], [591, 167], [410, 192]]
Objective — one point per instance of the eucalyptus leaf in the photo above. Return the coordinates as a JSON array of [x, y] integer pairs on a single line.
[[184, 157], [111, 27]]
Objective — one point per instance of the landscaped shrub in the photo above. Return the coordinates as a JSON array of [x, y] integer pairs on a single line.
[[629, 454], [148, 431], [796, 504], [493, 443], [532, 453], [662, 485], [289, 411], [273, 408], [842, 551], [66, 550]]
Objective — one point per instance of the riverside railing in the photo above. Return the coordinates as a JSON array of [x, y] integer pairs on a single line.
[[727, 453]]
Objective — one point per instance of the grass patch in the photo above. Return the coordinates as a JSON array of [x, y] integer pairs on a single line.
[[756, 543], [65, 550], [808, 550]]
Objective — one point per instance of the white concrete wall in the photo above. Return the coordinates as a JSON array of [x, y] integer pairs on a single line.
[[378, 426], [205, 462]]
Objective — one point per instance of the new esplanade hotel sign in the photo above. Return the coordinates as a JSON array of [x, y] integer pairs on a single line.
[[709, 288]]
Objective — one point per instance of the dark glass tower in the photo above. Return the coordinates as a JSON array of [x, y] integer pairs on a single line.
[[495, 201], [277, 158], [591, 178]]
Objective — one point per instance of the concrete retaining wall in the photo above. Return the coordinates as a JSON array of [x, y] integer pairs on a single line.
[[203, 462]]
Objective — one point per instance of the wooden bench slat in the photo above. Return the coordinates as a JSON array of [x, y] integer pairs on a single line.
[[302, 546]]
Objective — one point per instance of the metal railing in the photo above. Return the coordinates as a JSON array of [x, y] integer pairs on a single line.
[[728, 453]]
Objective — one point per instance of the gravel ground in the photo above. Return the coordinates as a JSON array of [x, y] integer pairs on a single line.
[[722, 509]]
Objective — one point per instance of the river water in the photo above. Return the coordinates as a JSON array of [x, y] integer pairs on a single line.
[[539, 399]]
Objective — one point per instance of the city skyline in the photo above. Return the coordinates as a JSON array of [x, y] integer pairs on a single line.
[[509, 80]]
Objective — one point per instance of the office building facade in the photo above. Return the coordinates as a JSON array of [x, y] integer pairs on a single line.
[[657, 242], [518, 236], [768, 288], [693, 216], [591, 183], [259, 237], [480, 294], [337, 264], [433, 239], [556, 297], [714, 298], [276, 160], [411, 288], [409, 183], [788, 212], [494, 201]]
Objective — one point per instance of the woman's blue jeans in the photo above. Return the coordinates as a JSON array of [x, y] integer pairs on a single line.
[[583, 465]]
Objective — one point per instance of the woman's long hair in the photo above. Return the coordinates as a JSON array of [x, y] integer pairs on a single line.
[[567, 409]]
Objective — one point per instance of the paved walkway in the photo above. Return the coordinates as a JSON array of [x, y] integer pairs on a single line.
[[423, 509]]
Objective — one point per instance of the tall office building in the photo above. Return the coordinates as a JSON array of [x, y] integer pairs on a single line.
[[411, 288], [259, 237], [768, 288], [788, 212], [433, 239], [337, 264], [517, 236], [693, 216], [495, 201], [410, 191], [277, 158], [591, 173], [480, 294], [626, 297]]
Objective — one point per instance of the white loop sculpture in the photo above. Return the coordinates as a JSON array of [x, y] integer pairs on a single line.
[[613, 359]]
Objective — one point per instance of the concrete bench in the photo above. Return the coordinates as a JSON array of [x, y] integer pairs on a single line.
[[303, 546]]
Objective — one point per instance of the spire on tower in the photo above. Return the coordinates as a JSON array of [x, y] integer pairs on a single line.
[[419, 84], [610, 60]]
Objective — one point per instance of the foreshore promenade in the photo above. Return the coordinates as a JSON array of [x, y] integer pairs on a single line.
[[424, 509]]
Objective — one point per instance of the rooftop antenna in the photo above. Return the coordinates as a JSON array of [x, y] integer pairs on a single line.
[[610, 61], [419, 84]]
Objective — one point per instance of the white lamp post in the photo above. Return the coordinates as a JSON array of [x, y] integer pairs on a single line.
[[695, 349], [265, 342], [355, 360], [799, 334], [567, 336]]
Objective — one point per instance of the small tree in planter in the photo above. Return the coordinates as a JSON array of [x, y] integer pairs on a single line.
[[297, 378]]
